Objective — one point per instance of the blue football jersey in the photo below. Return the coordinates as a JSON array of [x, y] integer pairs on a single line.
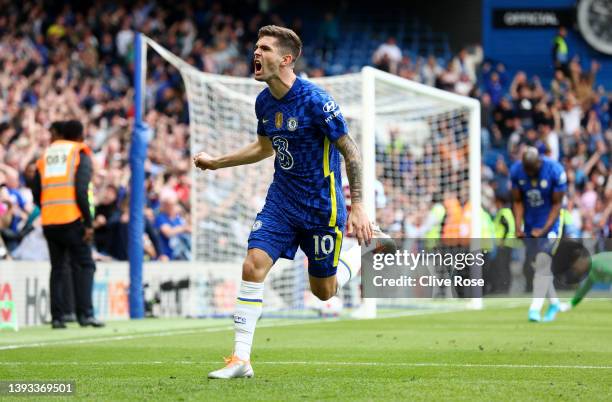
[[303, 126], [537, 192]]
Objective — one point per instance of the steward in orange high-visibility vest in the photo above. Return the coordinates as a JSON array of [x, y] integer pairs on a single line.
[[60, 189], [57, 169]]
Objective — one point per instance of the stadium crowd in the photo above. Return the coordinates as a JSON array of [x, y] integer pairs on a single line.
[[77, 61]]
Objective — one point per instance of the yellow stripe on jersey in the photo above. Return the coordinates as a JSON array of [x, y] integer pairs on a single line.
[[326, 157], [332, 184], [332, 195], [338, 246]]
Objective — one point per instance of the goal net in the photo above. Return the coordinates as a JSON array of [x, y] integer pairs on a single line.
[[417, 143]]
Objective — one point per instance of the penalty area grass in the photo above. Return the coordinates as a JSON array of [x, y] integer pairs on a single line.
[[456, 355]]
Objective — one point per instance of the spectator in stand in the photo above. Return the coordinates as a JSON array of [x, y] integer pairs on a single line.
[[593, 132], [464, 85], [406, 69], [560, 85], [467, 61], [6, 216], [524, 105], [602, 107], [21, 207], [582, 83], [329, 34], [431, 71], [571, 115], [174, 230], [501, 178], [486, 121], [125, 38], [118, 229], [494, 88], [108, 206], [387, 56], [449, 77], [550, 138]]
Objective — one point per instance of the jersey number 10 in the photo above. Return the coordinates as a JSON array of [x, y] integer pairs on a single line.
[[325, 244]]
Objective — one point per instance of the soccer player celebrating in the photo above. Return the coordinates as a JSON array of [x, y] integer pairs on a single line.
[[304, 207], [538, 187]]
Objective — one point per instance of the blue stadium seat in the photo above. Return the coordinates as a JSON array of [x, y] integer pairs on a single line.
[[362, 33]]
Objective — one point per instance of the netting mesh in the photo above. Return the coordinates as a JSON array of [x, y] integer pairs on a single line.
[[421, 154], [226, 201]]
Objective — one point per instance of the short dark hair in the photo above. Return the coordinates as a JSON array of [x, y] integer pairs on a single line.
[[72, 130], [57, 127], [287, 40]]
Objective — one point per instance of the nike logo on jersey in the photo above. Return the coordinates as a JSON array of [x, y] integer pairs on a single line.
[[321, 258], [264, 121]]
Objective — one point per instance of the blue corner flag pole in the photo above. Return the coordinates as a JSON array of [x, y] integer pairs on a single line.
[[138, 153]]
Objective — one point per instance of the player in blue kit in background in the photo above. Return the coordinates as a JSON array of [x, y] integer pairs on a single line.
[[304, 207], [538, 187]]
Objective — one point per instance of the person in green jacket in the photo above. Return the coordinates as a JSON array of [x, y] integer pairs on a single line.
[[560, 51]]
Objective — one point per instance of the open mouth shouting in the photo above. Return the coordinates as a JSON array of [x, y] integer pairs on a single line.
[[258, 67]]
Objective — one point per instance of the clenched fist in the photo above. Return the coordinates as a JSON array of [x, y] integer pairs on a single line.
[[204, 161], [359, 224]]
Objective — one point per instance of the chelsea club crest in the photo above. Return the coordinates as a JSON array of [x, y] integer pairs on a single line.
[[292, 123]]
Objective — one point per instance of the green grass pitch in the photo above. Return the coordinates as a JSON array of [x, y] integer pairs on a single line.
[[494, 354]]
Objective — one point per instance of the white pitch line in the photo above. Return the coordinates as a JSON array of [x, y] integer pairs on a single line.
[[321, 363], [200, 330], [433, 364], [112, 338]]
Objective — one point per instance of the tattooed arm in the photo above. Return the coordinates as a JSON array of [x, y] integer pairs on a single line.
[[358, 219]]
